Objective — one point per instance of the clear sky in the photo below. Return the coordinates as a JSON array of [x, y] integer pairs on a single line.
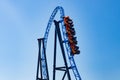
[[97, 24]]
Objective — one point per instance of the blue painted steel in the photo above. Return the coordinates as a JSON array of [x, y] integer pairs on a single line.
[[71, 58]]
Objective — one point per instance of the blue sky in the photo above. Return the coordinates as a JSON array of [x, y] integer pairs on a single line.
[[97, 24]]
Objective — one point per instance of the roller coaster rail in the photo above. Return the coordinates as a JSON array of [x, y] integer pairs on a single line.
[[42, 55]]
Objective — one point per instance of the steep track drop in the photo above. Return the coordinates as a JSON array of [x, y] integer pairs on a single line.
[[70, 57]]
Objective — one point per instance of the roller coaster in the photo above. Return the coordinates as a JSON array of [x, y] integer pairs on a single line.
[[65, 32]]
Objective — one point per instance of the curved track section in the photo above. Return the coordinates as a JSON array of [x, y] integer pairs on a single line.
[[71, 59]]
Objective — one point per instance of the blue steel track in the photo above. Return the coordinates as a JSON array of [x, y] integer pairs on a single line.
[[71, 58]]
